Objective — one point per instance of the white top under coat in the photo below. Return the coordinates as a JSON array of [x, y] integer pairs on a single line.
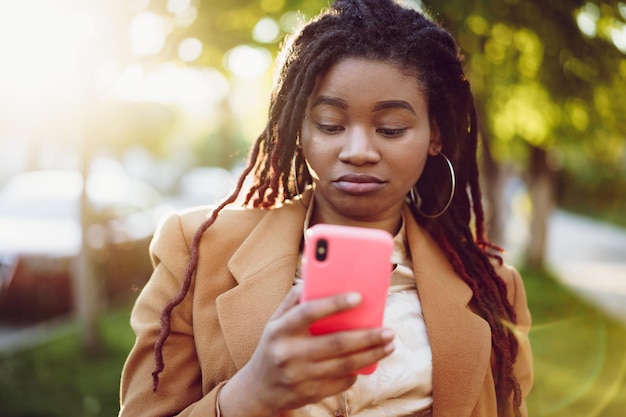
[[402, 382]]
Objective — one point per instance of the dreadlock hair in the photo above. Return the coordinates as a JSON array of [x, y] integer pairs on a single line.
[[384, 31]]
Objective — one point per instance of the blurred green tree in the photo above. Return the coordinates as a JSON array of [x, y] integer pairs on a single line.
[[548, 77], [223, 25]]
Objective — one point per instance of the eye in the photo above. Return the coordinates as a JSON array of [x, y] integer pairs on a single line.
[[329, 129], [391, 133]]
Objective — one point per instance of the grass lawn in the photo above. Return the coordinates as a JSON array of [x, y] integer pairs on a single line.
[[57, 379], [579, 355], [580, 364]]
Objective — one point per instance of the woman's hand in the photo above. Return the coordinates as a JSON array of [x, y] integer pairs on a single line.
[[291, 368]]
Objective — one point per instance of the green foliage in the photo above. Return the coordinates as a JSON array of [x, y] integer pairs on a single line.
[[118, 124], [579, 359], [57, 379], [220, 149], [223, 25], [600, 195], [546, 74]]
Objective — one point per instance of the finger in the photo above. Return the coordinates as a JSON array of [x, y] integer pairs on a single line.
[[317, 389], [338, 367], [314, 390], [310, 311], [292, 298], [344, 343]]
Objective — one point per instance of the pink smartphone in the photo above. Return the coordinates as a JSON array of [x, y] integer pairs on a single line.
[[347, 259]]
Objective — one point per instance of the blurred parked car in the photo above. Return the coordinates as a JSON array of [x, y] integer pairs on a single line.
[[205, 185], [41, 237]]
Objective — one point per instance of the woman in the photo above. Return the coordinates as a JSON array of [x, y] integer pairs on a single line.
[[372, 118]]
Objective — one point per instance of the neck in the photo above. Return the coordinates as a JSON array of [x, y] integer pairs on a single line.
[[390, 222]]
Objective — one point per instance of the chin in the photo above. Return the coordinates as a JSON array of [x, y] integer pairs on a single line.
[[364, 211]]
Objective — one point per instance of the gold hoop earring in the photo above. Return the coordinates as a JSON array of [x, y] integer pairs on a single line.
[[416, 199], [295, 179]]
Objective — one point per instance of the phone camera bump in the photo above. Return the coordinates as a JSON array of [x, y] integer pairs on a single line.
[[321, 249]]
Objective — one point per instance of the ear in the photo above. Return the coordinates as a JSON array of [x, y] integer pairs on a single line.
[[435, 145]]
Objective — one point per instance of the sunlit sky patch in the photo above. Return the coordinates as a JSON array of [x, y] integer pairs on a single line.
[[147, 34], [178, 6], [587, 24], [190, 49], [266, 30], [194, 89], [619, 38], [248, 62], [35, 34]]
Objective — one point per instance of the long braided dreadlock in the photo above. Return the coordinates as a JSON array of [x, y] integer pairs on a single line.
[[385, 31]]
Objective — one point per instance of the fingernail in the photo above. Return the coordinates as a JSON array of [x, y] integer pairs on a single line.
[[354, 298], [387, 334]]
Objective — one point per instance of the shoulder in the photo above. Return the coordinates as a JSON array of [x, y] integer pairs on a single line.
[[174, 236], [185, 223], [510, 275], [516, 292]]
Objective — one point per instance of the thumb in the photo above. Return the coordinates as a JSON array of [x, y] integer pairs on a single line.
[[291, 300]]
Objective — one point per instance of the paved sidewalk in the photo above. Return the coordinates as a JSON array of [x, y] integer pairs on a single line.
[[15, 338], [590, 258]]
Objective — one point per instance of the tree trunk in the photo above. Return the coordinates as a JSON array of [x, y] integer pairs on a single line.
[[87, 292], [540, 182], [494, 181]]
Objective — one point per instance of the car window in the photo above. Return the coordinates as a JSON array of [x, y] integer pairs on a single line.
[[120, 195], [40, 207], [55, 195], [34, 195]]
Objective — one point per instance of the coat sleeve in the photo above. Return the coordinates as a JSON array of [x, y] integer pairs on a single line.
[[180, 390], [523, 366]]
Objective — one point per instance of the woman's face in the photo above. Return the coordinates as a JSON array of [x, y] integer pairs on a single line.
[[366, 137]]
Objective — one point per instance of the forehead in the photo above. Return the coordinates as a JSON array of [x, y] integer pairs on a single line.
[[365, 80]]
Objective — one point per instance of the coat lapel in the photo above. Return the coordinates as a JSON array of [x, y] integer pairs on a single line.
[[264, 268], [460, 339]]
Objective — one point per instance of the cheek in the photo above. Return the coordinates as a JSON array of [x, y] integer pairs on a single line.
[[307, 137], [414, 158], [317, 162], [312, 150], [416, 173]]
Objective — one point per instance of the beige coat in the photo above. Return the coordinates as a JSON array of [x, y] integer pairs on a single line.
[[246, 267]]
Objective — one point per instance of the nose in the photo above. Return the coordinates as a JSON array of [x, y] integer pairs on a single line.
[[359, 147]]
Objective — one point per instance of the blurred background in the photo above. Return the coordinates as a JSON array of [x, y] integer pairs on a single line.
[[113, 113]]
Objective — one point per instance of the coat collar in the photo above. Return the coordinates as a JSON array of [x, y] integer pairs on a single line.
[[264, 270], [264, 267], [460, 339], [258, 251]]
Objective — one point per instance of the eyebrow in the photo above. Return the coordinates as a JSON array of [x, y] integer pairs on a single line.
[[393, 104], [380, 106], [331, 101]]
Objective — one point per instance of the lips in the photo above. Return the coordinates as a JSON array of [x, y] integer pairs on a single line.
[[358, 183]]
